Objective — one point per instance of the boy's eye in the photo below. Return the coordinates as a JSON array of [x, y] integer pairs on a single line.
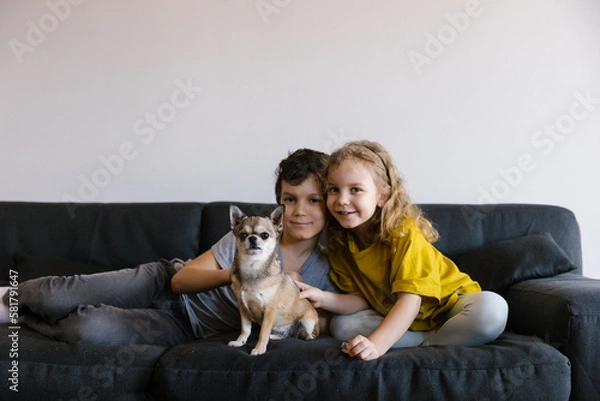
[[243, 236], [315, 200], [355, 189], [288, 200], [264, 236]]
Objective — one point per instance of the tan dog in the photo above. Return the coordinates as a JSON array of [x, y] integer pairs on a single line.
[[265, 294]]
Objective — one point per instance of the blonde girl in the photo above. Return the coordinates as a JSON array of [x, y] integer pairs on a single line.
[[400, 290]]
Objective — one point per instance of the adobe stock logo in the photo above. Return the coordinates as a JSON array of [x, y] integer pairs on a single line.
[[267, 8], [58, 12], [146, 130], [435, 44], [337, 140], [544, 141]]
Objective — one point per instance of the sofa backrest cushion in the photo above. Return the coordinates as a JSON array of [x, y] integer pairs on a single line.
[[114, 235], [464, 228], [119, 235], [499, 265]]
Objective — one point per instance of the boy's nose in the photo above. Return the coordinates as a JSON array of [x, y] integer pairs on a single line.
[[299, 209]]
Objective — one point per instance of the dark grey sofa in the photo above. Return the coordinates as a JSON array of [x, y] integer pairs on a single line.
[[550, 351]]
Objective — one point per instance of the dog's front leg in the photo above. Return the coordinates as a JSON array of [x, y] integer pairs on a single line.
[[246, 329], [265, 330]]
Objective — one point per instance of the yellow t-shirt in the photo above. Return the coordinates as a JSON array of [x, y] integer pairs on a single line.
[[416, 267]]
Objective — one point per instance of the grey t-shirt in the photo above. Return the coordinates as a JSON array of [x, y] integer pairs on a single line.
[[215, 311]]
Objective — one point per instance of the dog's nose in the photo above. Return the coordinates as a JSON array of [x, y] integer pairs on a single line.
[[252, 239]]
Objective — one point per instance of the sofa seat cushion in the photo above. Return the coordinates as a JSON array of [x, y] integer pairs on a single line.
[[513, 367], [58, 370]]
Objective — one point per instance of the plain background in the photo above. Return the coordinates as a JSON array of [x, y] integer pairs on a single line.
[[478, 101]]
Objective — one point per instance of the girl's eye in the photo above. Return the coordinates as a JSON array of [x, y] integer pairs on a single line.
[[264, 236], [243, 236], [332, 190], [355, 189], [288, 200], [315, 200]]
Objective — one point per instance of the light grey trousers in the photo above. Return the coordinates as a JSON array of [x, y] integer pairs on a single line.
[[475, 319], [127, 306]]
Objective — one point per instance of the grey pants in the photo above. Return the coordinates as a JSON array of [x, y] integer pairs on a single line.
[[475, 319], [124, 307]]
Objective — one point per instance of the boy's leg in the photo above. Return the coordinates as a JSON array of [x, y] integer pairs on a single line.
[[346, 327], [108, 325], [54, 297], [4, 305], [475, 319]]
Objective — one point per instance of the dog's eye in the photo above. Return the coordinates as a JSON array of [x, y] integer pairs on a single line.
[[264, 236], [243, 236]]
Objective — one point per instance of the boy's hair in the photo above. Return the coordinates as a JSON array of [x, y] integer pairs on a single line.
[[298, 166], [397, 208]]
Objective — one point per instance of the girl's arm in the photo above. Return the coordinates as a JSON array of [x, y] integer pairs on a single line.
[[201, 274], [342, 304], [395, 324]]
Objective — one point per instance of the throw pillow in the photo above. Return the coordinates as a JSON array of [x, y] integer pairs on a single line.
[[499, 265]]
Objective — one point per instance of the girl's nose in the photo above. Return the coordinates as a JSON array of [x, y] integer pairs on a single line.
[[343, 198]]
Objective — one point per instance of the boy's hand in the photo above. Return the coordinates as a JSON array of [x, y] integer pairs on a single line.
[[314, 295], [362, 348]]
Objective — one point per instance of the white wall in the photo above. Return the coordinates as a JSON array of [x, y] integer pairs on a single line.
[[465, 95]]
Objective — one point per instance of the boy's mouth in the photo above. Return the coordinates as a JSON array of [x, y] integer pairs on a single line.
[[300, 223]]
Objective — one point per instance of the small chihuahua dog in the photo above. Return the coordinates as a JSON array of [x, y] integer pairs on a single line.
[[265, 293]]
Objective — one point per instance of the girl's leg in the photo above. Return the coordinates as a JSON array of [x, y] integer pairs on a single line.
[[475, 319], [346, 327], [53, 298], [108, 325]]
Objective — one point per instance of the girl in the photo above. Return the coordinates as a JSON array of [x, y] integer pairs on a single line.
[[143, 305], [380, 250]]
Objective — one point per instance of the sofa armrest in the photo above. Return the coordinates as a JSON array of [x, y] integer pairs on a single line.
[[565, 312]]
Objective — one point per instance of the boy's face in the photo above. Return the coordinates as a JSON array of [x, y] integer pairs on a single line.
[[304, 209], [352, 195]]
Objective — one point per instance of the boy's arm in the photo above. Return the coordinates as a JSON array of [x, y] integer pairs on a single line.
[[394, 325], [201, 274]]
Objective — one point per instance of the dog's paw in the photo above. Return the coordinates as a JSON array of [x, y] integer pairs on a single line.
[[258, 351], [236, 343]]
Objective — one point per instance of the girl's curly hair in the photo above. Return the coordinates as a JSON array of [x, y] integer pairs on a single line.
[[397, 208]]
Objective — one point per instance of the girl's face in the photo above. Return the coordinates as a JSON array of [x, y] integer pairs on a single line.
[[304, 209], [352, 195]]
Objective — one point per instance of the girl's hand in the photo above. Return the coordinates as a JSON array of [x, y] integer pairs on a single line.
[[362, 348], [314, 295]]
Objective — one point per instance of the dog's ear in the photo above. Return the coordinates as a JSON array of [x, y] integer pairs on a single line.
[[235, 216], [277, 217]]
